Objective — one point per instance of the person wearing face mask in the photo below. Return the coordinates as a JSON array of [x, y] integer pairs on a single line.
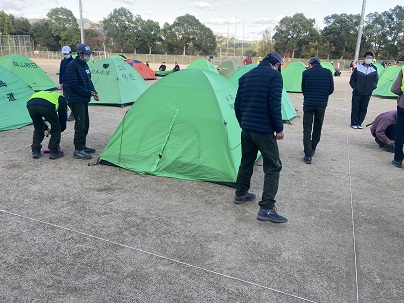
[[258, 110], [67, 58], [363, 81], [81, 89]]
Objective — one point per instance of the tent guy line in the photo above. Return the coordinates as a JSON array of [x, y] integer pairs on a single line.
[[156, 255]]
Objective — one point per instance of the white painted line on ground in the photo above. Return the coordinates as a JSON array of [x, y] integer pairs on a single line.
[[158, 256]]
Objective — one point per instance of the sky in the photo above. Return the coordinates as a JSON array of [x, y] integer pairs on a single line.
[[244, 19]]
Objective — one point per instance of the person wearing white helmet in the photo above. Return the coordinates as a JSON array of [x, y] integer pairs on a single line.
[[67, 58]]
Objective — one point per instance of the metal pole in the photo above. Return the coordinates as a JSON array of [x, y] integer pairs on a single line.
[[358, 41], [81, 22]]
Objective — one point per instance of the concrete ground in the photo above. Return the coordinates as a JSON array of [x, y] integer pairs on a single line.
[[74, 233]]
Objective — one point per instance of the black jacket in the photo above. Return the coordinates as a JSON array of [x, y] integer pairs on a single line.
[[78, 80], [258, 100], [62, 69], [364, 80], [317, 85]]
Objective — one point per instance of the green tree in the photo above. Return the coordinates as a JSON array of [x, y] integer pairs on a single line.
[[169, 39], [42, 37], [395, 20], [95, 39], [265, 45], [341, 31], [21, 26], [149, 34], [64, 26], [6, 23], [120, 26], [376, 32], [290, 32]]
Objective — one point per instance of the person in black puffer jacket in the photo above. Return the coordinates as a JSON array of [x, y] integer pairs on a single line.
[[317, 85], [81, 89], [258, 111]]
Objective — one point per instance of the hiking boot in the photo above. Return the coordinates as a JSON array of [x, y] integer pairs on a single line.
[[89, 150], [307, 160], [81, 154], [398, 164], [270, 214], [71, 117], [59, 154], [36, 154], [244, 198]]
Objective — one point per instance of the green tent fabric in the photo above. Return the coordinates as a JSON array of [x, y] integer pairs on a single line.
[[386, 82], [116, 82], [164, 73], [120, 57], [329, 66], [227, 68], [14, 94], [183, 127], [203, 64], [288, 110], [292, 77], [380, 68], [28, 71]]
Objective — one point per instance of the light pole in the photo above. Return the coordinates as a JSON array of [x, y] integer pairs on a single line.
[[81, 22], [358, 41]]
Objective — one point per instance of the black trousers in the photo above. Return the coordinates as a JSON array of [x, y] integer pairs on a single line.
[[359, 109], [251, 143], [81, 125], [38, 113], [313, 117], [399, 139]]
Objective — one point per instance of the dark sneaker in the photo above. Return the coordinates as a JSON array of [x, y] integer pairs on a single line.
[[36, 154], [71, 117], [313, 152], [245, 198], [270, 214], [307, 160], [59, 154], [388, 148], [398, 164], [89, 150], [81, 154]]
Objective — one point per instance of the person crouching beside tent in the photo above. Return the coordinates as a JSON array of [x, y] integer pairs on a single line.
[[383, 128], [52, 107]]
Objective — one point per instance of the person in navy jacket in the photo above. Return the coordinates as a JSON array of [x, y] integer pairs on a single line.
[[67, 58], [258, 111], [317, 85]]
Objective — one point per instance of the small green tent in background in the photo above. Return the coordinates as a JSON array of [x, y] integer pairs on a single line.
[[14, 94], [227, 68], [288, 110], [28, 71], [292, 77], [163, 73], [380, 68], [386, 81], [328, 66], [116, 82], [204, 65], [183, 127]]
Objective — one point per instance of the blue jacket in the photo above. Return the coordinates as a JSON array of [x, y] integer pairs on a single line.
[[258, 100], [317, 85], [78, 80], [62, 69], [364, 80]]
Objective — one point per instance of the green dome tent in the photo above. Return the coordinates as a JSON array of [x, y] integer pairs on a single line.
[[292, 77], [204, 65], [116, 82], [328, 66], [183, 126], [227, 68], [14, 94], [386, 81], [380, 68], [28, 71], [288, 110]]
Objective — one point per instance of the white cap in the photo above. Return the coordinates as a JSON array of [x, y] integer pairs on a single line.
[[66, 49]]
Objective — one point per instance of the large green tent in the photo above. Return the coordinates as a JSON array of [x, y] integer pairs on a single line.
[[329, 66], [14, 94], [386, 81], [203, 64], [380, 68], [28, 71], [183, 127], [288, 110], [292, 77], [227, 68], [116, 82]]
